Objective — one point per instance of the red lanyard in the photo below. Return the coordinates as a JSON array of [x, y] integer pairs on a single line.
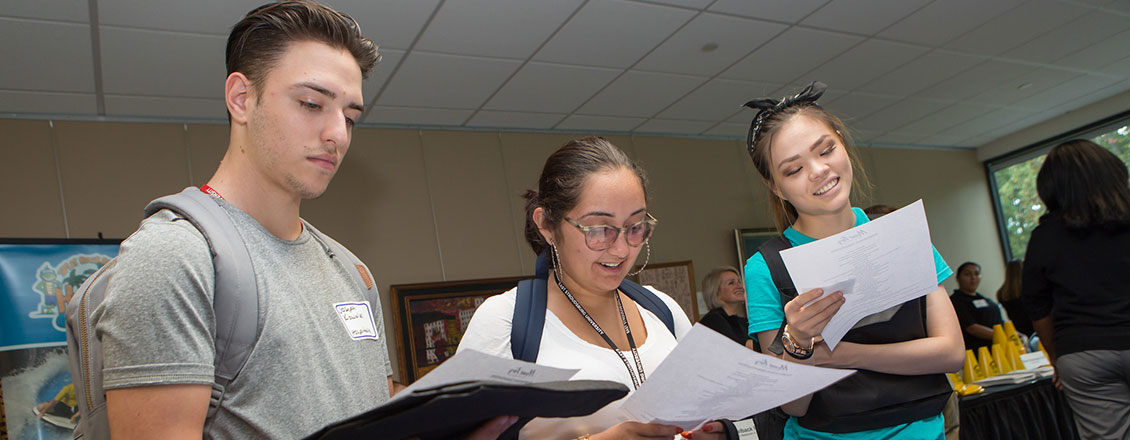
[[211, 191]]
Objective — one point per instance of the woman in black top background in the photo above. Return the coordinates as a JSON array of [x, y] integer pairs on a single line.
[[724, 294], [976, 313], [1076, 283]]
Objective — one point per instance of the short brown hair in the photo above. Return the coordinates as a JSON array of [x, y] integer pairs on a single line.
[[258, 41]]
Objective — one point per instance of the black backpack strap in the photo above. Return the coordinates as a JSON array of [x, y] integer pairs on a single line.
[[236, 296], [650, 302], [771, 252], [529, 312]]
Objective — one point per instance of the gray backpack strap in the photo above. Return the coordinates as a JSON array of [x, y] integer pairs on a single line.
[[236, 300], [351, 264]]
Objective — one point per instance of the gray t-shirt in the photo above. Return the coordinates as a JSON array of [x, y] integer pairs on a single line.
[[157, 327]]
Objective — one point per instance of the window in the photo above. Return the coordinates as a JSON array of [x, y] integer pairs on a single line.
[[1013, 180]]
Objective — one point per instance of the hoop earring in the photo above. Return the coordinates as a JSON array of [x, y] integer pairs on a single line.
[[645, 260], [556, 263]]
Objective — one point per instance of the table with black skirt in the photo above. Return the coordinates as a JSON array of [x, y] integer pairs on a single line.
[[1033, 410]]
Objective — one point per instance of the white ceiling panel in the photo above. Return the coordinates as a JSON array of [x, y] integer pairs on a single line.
[[899, 114], [674, 126], [865, 62], [68, 68], [74, 11], [937, 123], [865, 17], [158, 107], [895, 139], [390, 58], [729, 129], [488, 118], [790, 55], [551, 87], [693, 4], [16, 101], [732, 37], [495, 28], [640, 94], [717, 100], [416, 116], [857, 105], [599, 123], [446, 81], [1100, 54], [1080, 86], [942, 21], [1016, 26], [989, 121], [1016, 89], [928, 69], [164, 71], [944, 141], [1120, 68], [984, 76], [1070, 38], [596, 36], [790, 11], [389, 23], [199, 16]]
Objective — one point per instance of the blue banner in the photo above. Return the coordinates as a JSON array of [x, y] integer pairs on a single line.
[[36, 281]]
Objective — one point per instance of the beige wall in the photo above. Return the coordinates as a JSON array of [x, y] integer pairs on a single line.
[[422, 206]]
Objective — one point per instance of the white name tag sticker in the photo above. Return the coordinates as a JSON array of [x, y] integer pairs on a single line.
[[358, 320], [980, 303]]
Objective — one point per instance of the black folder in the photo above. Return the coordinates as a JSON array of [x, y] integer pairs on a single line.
[[452, 411]]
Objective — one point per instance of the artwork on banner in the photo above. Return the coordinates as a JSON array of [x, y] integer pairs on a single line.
[[430, 318], [676, 280], [749, 239], [37, 278]]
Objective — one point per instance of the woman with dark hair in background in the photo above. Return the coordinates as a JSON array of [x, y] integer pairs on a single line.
[[976, 313], [724, 294], [1076, 281], [1009, 296]]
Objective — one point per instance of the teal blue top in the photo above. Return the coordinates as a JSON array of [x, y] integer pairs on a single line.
[[765, 312]]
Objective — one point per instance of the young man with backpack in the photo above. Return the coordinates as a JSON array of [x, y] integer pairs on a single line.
[[317, 351]]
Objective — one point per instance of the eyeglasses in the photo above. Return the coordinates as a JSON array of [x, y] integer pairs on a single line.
[[601, 237]]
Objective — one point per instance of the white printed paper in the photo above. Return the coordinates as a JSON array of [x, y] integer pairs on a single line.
[[708, 376], [884, 263], [469, 365], [358, 320]]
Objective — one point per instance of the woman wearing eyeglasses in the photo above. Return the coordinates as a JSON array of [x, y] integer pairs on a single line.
[[588, 222]]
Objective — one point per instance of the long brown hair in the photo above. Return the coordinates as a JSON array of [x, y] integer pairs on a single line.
[[1010, 289]]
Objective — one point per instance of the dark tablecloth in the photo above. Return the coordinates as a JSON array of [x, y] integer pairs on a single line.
[[1029, 411]]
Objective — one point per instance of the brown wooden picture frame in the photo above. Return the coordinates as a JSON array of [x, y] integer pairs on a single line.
[[676, 279], [429, 319]]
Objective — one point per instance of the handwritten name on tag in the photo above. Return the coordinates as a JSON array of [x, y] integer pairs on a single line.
[[358, 320]]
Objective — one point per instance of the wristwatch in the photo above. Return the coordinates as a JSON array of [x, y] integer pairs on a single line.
[[795, 350]]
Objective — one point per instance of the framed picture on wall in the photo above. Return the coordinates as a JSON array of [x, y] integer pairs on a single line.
[[429, 319], [749, 239], [675, 279]]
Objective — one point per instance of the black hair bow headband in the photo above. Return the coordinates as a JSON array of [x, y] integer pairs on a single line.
[[767, 107]]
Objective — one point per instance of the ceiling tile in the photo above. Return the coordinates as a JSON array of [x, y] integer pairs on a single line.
[[987, 122], [68, 68], [1120, 68], [673, 126], [944, 140], [937, 123], [1016, 27], [895, 139], [856, 105], [922, 72], [899, 114], [1068, 39], [214, 17], [496, 28], [984, 76], [733, 38], [693, 4], [15, 101], [390, 58], [416, 116], [489, 118], [1012, 91], [1067, 91], [729, 129], [864, 63], [75, 11], [596, 124], [136, 62], [640, 94], [779, 62], [865, 17], [550, 88], [157, 107], [787, 11], [717, 99], [1099, 55], [942, 21], [389, 23], [445, 81], [586, 39]]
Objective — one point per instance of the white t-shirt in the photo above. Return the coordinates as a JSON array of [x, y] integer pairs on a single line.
[[489, 332]]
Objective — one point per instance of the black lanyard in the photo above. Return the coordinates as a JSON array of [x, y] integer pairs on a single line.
[[627, 330]]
